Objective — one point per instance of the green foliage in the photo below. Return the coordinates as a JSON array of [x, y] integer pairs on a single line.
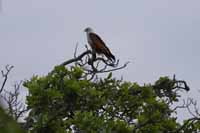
[[63, 101], [7, 124]]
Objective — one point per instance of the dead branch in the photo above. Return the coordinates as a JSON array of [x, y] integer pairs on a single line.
[[5, 75], [105, 71], [16, 108], [77, 58], [178, 84], [97, 64], [184, 105], [193, 112]]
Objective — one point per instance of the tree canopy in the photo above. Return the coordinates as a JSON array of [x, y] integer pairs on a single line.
[[73, 98]]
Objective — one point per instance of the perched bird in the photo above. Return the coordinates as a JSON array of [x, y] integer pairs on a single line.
[[97, 44]]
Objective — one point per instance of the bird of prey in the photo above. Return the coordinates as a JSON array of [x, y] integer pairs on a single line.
[[97, 44]]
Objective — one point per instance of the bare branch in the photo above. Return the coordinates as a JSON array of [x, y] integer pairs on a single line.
[[184, 105], [16, 108], [110, 70], [75, 50], [77, 58], [195, 113], [5, 75], [179, 83], [97, 64]]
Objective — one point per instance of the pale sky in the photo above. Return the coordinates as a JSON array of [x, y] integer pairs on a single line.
[[159, 38]]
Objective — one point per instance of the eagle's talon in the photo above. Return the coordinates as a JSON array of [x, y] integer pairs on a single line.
[[90, 61]]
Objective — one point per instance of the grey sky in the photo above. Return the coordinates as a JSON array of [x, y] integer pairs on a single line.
[[160, 38]]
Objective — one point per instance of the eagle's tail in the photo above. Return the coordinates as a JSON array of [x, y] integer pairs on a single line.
[[110, 56]]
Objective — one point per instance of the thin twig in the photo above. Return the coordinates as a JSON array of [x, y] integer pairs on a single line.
[[5, 75]]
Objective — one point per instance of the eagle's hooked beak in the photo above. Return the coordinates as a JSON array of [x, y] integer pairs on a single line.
[[85, 30]]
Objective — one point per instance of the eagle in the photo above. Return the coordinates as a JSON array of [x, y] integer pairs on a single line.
[[97, 44]]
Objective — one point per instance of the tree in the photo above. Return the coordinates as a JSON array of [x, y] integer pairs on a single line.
[[13, 109], [8, 125], [72, 97]]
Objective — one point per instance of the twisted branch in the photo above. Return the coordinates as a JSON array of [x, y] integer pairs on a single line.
[[88, 58]]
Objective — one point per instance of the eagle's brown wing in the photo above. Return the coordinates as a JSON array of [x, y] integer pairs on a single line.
[[100, 46]]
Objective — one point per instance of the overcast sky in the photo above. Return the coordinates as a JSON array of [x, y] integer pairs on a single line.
[[159, 38]]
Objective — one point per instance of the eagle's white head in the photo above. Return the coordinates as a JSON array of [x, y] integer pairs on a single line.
[[88, 30]]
